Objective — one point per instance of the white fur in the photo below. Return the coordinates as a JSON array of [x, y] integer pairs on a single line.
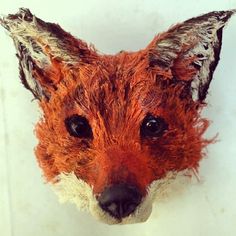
[[71, 189]]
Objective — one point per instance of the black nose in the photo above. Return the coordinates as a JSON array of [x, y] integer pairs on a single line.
[[120, 200]]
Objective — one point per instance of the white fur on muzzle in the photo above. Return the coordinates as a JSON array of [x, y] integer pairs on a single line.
[[71, 189]]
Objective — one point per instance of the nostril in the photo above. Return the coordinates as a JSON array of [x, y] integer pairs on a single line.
[[120, 209], [120, 200]]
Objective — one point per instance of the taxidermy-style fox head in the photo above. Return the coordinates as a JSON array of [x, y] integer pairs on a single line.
[[118, 129]]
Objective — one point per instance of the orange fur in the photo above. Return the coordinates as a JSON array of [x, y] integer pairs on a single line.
[[117, 154]]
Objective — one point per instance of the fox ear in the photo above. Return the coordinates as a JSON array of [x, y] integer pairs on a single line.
[[41, 49], [189, 52]]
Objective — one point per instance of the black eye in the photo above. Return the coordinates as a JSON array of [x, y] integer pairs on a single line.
[[78, 126], [153, 126]]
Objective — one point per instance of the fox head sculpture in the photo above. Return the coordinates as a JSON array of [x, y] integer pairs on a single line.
[[118, 129]]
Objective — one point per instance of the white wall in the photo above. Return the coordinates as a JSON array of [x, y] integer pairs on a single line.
[[29, 207]]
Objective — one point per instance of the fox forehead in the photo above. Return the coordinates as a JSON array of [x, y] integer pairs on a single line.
[[111, 85]]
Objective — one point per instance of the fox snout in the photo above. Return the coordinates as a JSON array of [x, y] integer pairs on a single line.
[[120, 200], [117, 130]]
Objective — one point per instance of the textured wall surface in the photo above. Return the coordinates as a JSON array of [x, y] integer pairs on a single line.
[[29, 207]]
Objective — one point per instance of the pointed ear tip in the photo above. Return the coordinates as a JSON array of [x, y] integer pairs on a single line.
[[230, 13], [226, 15], [233, 11], [3, 22], [23, 13]]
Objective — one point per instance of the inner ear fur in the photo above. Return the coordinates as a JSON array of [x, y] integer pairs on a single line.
[[190, 51]]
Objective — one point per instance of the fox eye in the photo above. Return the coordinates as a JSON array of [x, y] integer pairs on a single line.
[[153, 126], [78, 126]]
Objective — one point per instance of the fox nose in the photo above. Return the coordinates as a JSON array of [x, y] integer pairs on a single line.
[[120, 200]]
